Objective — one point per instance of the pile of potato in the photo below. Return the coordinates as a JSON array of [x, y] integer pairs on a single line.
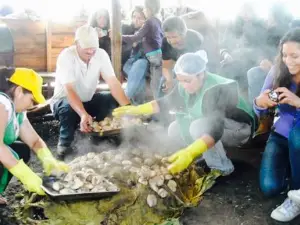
[[147, 169], [115, 123]]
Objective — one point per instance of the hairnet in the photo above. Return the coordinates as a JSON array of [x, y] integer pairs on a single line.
[[191, 63]]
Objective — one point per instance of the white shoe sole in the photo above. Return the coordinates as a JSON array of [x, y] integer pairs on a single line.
[[282, 220]]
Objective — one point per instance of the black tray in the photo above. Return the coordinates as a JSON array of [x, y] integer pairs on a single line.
[[107, 133], [74, 197], [116, 132]]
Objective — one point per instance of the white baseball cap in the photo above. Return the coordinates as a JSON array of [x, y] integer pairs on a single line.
[[87, 37]]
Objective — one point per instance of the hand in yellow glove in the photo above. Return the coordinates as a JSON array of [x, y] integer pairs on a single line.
[[183, 158], [50, 163], [28, 178], [145, 109]]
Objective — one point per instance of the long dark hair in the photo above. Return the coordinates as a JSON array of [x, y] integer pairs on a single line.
[[5, 85], [93, 20], [283, 77]]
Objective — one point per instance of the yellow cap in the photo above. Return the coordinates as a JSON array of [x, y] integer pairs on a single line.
[[31, 81]]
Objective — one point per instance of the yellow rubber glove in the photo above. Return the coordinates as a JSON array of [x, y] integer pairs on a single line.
[[183, 158], [28, 178], [145, 109], [50, 163]]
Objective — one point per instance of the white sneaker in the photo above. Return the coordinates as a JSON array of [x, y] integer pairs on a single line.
[[286, 212], [295, 196]]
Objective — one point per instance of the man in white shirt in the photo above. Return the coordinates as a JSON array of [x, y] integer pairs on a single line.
[[75, 100]]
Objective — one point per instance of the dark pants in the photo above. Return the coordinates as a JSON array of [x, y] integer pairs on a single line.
[[23, 152], [155, 73], [280, 164], [100, 106]]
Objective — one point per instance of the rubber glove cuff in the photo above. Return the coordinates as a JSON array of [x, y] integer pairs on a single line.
[[197, 148], [20, 170], [183, 158], [44, 153], [28, 178], [146, 108], [50, 164]]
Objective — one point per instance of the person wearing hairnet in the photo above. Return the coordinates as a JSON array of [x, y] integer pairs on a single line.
[[209, 113]]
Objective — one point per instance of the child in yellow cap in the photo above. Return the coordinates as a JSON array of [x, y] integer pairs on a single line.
[[19, 89]]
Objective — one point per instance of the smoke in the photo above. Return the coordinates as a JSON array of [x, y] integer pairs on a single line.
[[152, 138], [246, 42], [85, 143], [249, 39]]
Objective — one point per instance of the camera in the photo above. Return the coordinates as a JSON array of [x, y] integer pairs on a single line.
[[274, 96]]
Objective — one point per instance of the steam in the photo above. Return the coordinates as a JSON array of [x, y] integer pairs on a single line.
[[150, 138], [153, 138], [85, 143]]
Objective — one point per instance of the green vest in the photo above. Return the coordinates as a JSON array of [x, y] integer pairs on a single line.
[[11, 134], [194, 112], [12, 129]]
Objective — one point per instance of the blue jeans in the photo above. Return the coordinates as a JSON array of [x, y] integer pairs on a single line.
[[155, 73], [280, 164], [136, 71], [100, 106], [256, 78]]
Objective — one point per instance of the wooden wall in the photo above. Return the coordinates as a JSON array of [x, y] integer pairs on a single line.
[[38, 43], [59, 36], [30, 43]]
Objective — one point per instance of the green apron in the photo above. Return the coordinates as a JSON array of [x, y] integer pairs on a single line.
[[194, 112], [11, 134]]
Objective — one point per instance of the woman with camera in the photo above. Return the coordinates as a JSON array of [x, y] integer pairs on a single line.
[[280, 167]]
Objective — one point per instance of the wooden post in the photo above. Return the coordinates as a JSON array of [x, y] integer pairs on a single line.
[[116, 45], [130, 5], [49, 45]]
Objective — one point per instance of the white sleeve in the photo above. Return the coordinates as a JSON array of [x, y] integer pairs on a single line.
[[106, 69], [7, 104], [65, 68]]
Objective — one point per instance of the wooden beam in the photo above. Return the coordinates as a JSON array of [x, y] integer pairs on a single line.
[[130, 5], [116, 42], [49, 45]]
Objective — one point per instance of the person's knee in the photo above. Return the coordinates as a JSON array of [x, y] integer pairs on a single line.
[[269, 188], [67, 117], [254, 71], [270, 182], [142, 62], [63, 109], [255, 75], [198, 128], [174, 130]]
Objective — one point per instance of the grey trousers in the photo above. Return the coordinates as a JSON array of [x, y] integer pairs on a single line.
[[235, 134], [256, 78]]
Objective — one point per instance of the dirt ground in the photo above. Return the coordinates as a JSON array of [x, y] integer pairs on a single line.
[[234, 200]]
